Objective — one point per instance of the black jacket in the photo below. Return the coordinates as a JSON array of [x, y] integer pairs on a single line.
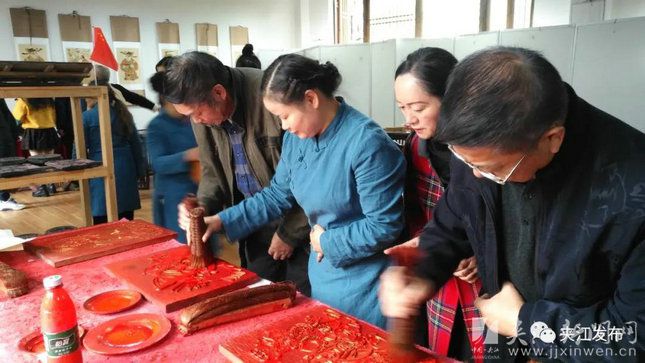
[[590, 239], [9, 131]]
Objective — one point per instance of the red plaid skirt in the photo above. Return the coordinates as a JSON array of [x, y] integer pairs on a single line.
[[422, 192]]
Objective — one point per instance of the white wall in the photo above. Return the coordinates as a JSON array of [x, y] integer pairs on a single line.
[[609, 68], [272, 25], [317, 22], [616, 9], [587, 12], [449, 18], [551, 12]]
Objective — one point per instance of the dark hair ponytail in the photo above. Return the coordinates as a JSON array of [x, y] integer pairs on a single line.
[[157, 82], [289, 76], [124, 117], [430, 66], [248, 58]]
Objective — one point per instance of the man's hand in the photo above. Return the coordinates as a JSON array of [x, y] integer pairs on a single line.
[[467, 270], [183, 219], [314, 237], [413, 243], [214, 224], [279, 249], [501, 311], [401, 295]]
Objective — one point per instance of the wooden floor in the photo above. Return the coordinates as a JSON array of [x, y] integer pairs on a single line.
[[64, 208]]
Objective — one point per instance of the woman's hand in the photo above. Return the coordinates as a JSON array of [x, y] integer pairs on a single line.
[[467, 270], [214, 224], [314, 237]]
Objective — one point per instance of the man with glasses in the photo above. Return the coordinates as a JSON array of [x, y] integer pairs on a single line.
[[548, 192], [239, 147]]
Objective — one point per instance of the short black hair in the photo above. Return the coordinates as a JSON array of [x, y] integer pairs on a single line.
[[248, 59], [501, 97], [290, 75], [431, 67], [164, 62], [191, 77]]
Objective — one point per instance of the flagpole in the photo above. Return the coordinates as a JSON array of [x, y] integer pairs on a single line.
[[94, 69]]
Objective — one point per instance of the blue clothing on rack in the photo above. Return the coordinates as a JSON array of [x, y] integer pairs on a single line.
[[350, 181], [128, 163], [168, 138]]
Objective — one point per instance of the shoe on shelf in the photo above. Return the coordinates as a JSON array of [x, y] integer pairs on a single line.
[[40, 192], [10, 204], [71, 186], [51, 189]]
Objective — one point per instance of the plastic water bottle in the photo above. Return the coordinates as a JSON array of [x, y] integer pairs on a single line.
[[58, 323]]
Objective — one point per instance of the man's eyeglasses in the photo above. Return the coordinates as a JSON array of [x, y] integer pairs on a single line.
[[486, 174]]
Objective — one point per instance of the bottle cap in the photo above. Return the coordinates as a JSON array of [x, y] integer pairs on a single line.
[[52, 281]]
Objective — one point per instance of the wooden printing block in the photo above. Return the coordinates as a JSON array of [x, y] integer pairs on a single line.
[[13, 283]]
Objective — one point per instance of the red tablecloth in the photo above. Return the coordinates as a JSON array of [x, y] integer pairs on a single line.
[[20, 316]]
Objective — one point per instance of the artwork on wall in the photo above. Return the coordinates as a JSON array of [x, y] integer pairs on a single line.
[[76, 36], [35, 51], [127, 56], [30, 34], [77, 51], [168, 50], [207, 38], [239, 38], [168, 36], [127, 50]]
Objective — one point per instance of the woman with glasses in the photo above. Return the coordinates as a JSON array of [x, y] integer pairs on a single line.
[[420, 82]]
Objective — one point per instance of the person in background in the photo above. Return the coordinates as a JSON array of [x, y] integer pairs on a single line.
[[125, 95], [8, 136], [171, 148], [344, 171], [547, 191], [129, 163], [37, 117], [420, 83], [248, 58], [239, 148]]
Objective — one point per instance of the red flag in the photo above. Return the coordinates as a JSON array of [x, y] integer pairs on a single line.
[[102, 53]]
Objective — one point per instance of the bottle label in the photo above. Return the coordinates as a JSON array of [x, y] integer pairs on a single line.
[[63, 343]]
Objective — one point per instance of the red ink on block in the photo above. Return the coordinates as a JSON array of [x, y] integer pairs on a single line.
[[168, 280], [320, 334]]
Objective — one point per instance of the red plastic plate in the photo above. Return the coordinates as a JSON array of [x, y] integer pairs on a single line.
[[127, 334], [33, 342], [111, 302]]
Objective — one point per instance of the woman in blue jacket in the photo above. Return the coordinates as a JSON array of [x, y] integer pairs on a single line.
[[129, 164], [171, 148], [345, 173]]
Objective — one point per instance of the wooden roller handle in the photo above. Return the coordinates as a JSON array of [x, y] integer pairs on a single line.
[[401, 339], [237, 305], [200, 252]]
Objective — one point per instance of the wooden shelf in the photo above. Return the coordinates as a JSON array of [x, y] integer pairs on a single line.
[[53, 177], [51, 91], [106, 171]]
